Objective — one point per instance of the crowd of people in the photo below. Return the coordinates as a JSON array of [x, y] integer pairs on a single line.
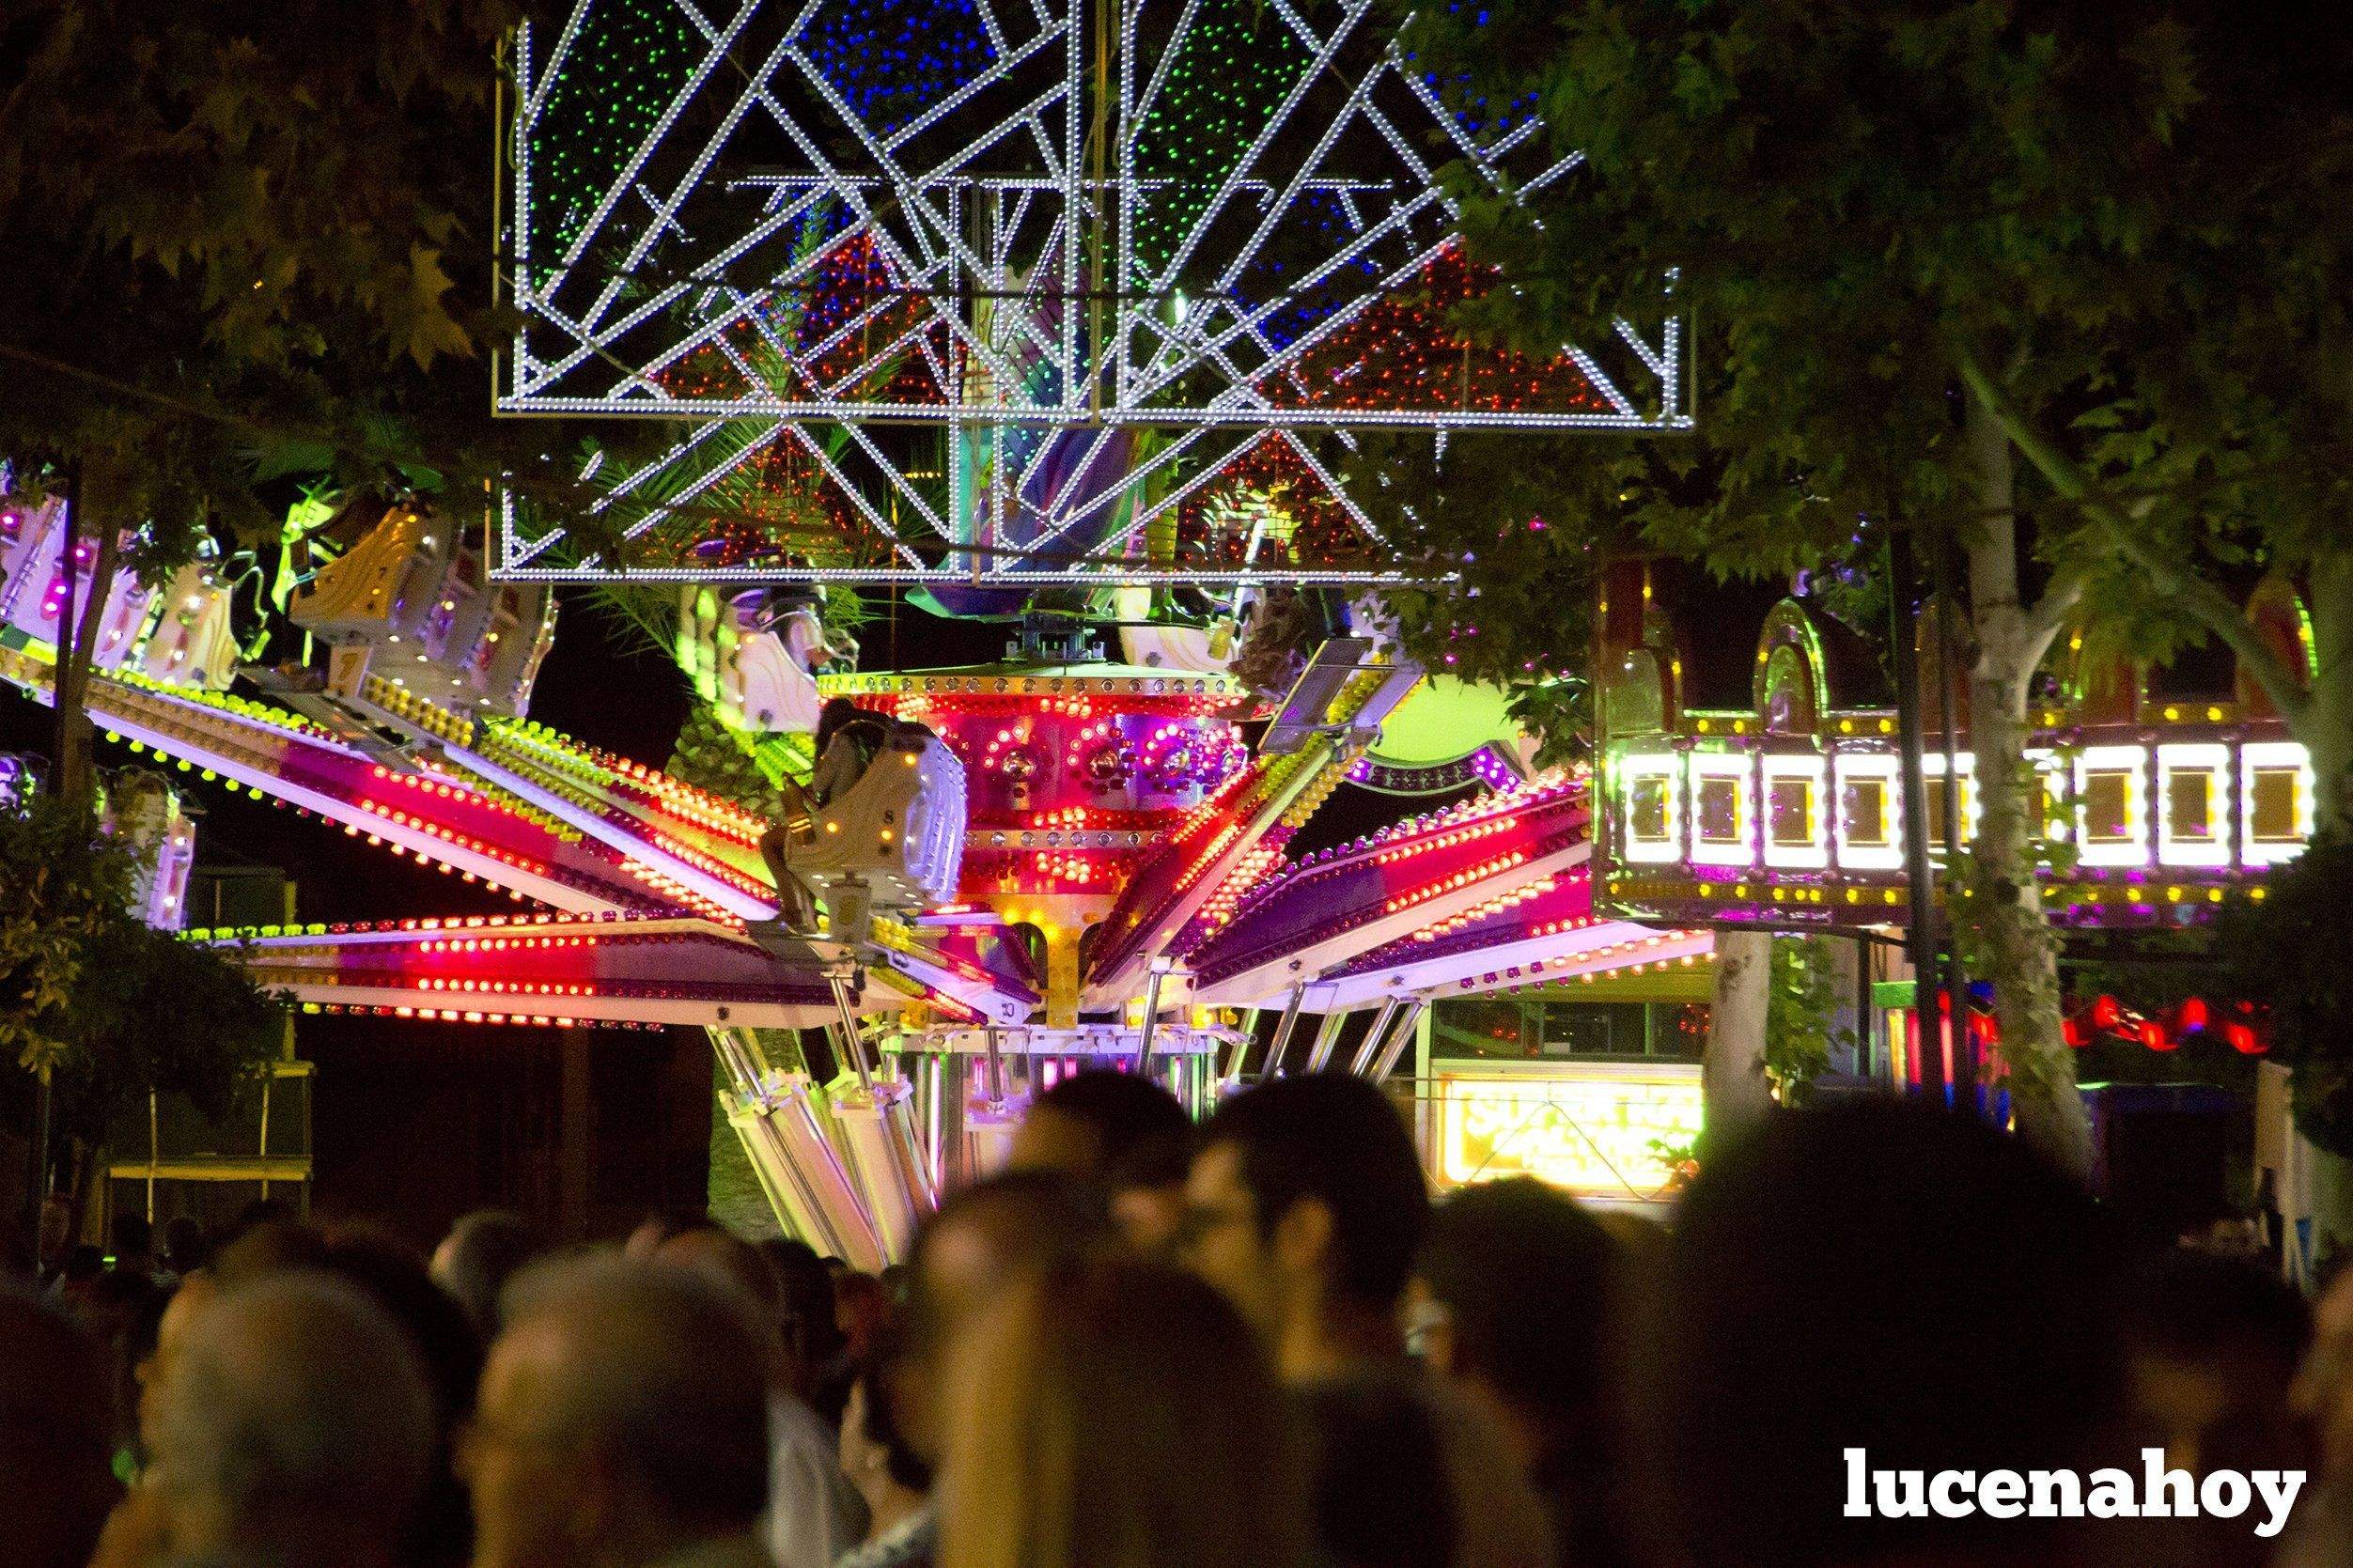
[[1152, 1344]]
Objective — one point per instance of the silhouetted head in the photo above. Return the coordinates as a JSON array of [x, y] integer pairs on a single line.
[[133, 1240], [483, 1250], [620, 1420], [296, 1428], [1124, 1134], [807, 1322], [185, 1248], [659, 1226], [1091, 1124], [1883, 1276], [1306, 1198], [982, 1244], [2212, 1345], [56, 1436], [876, 1454], [1113, 1413], [1525, 1290], [987, 1236]]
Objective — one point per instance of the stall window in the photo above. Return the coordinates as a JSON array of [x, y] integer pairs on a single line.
[[2108, 805], [1718, 811], [2189, 805], [1646, 805], [1865, 805], [2275, 810], [1789, 811]]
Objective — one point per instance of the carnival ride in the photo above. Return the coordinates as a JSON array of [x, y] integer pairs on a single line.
[[941, 310], [1075, 860]]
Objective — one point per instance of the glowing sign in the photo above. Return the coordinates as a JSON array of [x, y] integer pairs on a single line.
[[2111, 805], [2275, 802], [1723, 807], [1796, 831], [1597, 1129], [2193, 824]]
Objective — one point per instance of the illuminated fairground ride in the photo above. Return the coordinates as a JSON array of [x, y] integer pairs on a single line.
[[961, 300], [1050, 861]]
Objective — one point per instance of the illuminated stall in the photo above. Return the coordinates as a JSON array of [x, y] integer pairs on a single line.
[[1789, 809]]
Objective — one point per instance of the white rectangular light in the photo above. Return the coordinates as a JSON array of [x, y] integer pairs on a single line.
[[2111, 805], [1869, 839], [2275, 802], [1962, 780], [1650, 808], [1723, 807], [1796, 828], [2194, 805]]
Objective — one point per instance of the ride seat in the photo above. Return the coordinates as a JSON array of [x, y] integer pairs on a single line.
[[897, 832]]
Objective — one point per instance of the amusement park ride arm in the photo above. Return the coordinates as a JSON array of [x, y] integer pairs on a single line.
[[1237, 837], [485, 795]]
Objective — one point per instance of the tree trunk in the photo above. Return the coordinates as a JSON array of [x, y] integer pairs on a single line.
[[1734, 1091], [2325, 725], [2020, 950], [2331, 1196]]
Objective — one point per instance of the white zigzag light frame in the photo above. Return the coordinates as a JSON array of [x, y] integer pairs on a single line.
[[987, 324]]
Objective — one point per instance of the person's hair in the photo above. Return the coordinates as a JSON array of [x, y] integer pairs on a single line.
[[1879, 1274], [298, 1416], [485, 1248], [861, 1310], [131, 1234], [184, 1246], [272, 1243], [804, 1311], [1531, 1286], [1338, 1140], [440, 1334], [780, 1248], [1142, 1135], [651, 1365], [719, 1251], [1027, 1220], [660, 1224], [261, 1211], [2200, 1307], [57, 1432], [1110, 1414], [447, 1344]]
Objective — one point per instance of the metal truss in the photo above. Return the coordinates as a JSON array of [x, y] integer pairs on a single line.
[[1035, 227]]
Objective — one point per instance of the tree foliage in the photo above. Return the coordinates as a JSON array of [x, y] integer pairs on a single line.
[[106, 1006], [251, 223], [2038, 281], [2121, 232], [1798, 1012], [1840, 200], [1507, 532], [2288, 954]]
